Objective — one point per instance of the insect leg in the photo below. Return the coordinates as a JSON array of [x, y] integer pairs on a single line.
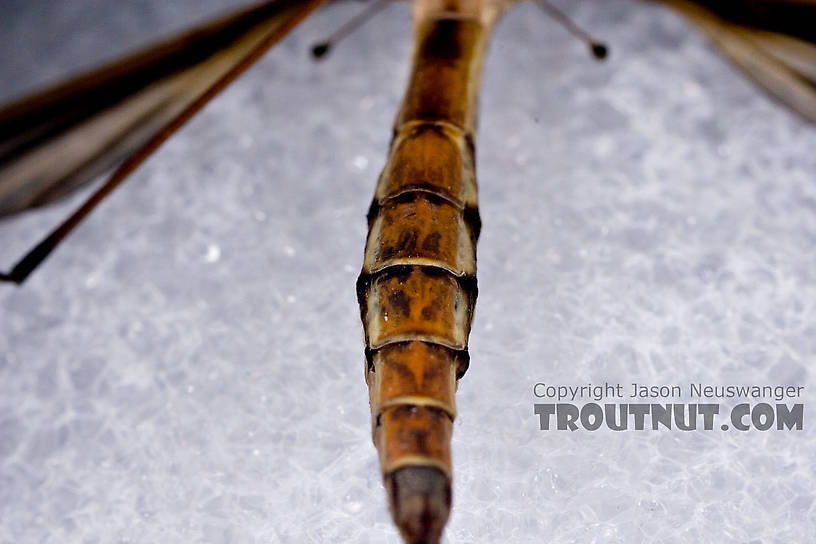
[[251, 34]]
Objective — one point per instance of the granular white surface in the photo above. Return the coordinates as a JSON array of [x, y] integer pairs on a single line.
[[188, 367]]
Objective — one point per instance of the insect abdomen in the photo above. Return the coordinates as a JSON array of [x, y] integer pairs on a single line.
[[417, 289]]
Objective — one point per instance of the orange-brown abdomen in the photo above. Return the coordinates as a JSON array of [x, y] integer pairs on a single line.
[[417, 289]]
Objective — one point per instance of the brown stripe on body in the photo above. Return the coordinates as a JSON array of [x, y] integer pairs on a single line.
[[417, 288]]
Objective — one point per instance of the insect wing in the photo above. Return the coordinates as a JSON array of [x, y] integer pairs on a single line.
[[773, 42], [59, 139]]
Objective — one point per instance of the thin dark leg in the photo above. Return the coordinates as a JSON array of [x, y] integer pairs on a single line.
[[37, 255]]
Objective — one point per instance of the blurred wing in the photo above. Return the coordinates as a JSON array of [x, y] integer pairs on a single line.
[[56, 140], [772, 41]]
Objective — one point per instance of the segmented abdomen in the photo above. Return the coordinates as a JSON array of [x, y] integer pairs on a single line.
[[417, 289], [417, 292]]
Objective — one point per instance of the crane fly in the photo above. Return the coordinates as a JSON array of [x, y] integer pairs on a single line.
[[417, 288]]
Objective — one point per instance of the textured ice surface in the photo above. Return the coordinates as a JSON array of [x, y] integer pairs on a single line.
[[188, 366]]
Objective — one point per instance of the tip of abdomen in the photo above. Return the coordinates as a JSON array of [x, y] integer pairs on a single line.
[[420, 501]]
